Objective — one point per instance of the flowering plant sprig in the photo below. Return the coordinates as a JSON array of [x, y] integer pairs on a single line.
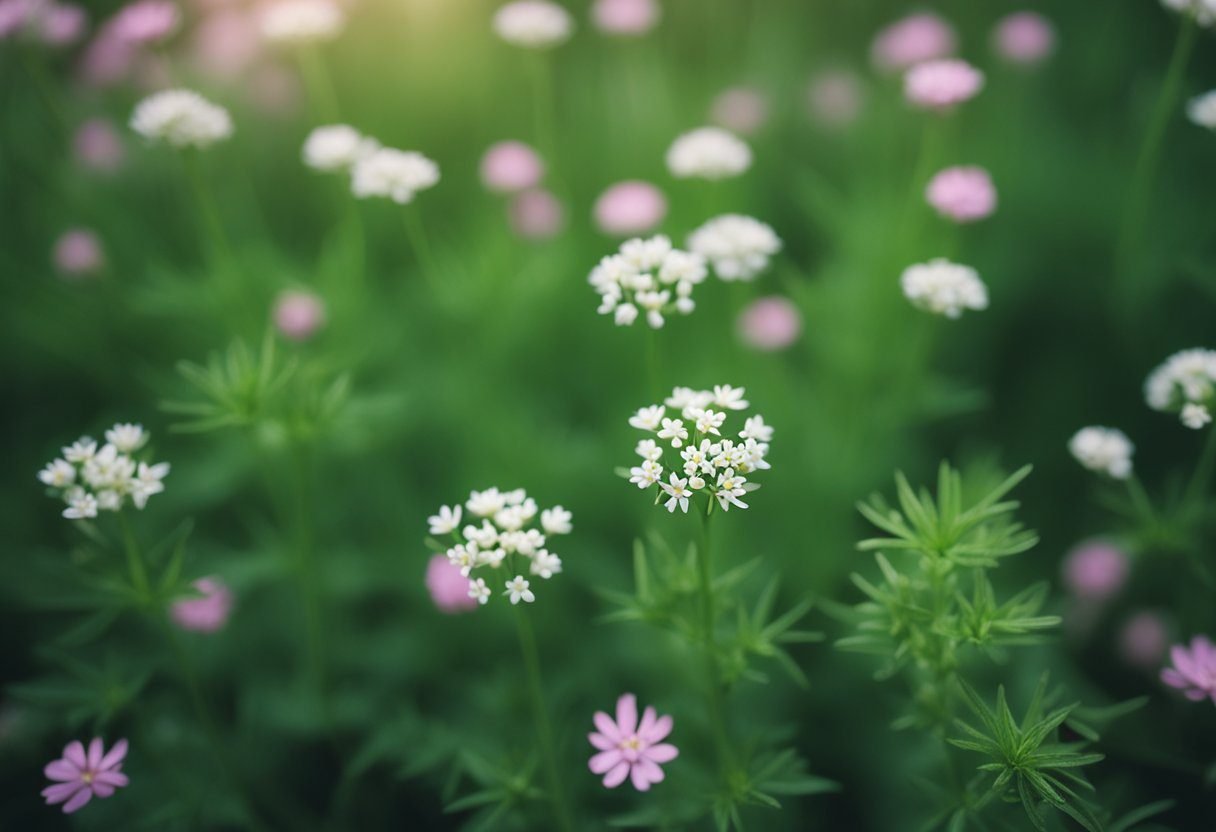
[[647, 275], [91, 479], [1185, 384], [505, 537], [711, 462]]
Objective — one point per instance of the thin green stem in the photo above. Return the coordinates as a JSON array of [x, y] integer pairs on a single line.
[[652, 362], [1201, 479], [319, 84], [544, 107], [204, 202], [1140, 499], [416, 234], [540, 713], [1131, 236], [306, 569], [717, 706], [135, 562]]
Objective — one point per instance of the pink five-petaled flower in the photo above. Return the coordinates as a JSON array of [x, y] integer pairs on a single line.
[[1194, 670], [629, 749], [79, 776]]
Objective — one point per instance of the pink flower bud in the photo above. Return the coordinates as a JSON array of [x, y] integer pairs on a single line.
[[625, 17], [770, 323], [509, 167], [913, 40], [741, 109], [449, 589], [298, 315], [629, 208], [206, 614], [963, 194], [78, 253], [1143, 640], [940, 85], [98, 145], [835, 98], [1095, 570], [1024, 38], [536, 215]]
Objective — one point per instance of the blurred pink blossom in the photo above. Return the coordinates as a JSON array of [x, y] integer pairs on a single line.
[[449, 589], [14, 14], [625, 17], [78, 776], [835, 97], [78, 253], [1095, 570], [963, 194], [298, 315], [275, 90], [536, 214], [1194, 670], [144, 21], [630, 207], [206, 614], [1024, 38], [508, 167], [770, 323], [62, 24], [629, 749], [98, 145], [913, 40], [1143, 640], [940, 85], [226, 43], [741, 109], [107, 60]]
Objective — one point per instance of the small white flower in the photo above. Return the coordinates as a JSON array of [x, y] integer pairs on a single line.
[[446, 521], [181, 118], [533, 24], [639, 278], [1186, 377], [729, 398], [625, 314], [708, 153], [81, 506], [396, 174], [58, 474], [648, 418], [486, 503], [336, 147], [517, 588], [1105, 450], [678, 492], [683, 398], [511, 518], [646, 474], [708, 421], [649, 449], [674, 430], [737, 247], [484, 536], [944, 288], [297, 22], [478, 590], [529, 542], [546, 564], [127, 437], [464, 556], [148, 482], [1202, 110], [82, 450], [730, 489], [109, 500], [754, 428], [492, 558], [1195, 416], [1204, 11], [556, 520]]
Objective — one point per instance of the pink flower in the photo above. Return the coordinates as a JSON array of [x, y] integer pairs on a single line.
[[1095, 571], [14, 14], [225, 44], [625, 17], [78, 777], [144, 21], [1024, 37], [536, 214], [107, 60], [629, 208], [78, 252], [940, 85], [1194, 670], [1143, 639], [298, 315], [61, 25], [741, 109], [835, 97], [627, 749], [963, 194], [508, 167], [98, 145], [913, 40], [205, 614], [771, 323], [449, 589]]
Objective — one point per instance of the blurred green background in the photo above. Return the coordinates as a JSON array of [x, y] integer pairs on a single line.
[[502, 374]]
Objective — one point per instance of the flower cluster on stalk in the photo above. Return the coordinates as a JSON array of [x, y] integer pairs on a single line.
[[1104, 450], [500, 535], [181, 118], [1185, 384], [647, 276], [738, 247], [710, 461], [92, 479]]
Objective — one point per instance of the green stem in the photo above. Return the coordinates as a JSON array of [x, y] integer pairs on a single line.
[[306, 569], [205, 204], [717, 707], [1202, 477], [319, 84], [544, 108], [416, 234], [1140, 499], [1131, 232], [540, 713], [135, 561], [652, 362]]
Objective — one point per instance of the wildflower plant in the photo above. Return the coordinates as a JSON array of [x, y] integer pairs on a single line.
[[93, 478], [650, 277]]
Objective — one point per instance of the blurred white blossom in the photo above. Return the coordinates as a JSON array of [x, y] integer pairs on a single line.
[[295, 22], [647, 276], [396, 174], [534, 24], [336, 147], [1105, 450], [708, 153], [737, 247], [90, 479], [944, 288], [181, 118], [1185, 378]]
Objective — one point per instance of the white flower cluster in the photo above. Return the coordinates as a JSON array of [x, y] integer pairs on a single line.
[[298, 22], [737, 247], [182, 118], [710, 462], [396, 174], [504, 537], [944, 288], [708, 153], [1185, 383], [647, 275], [91, 479], [533, 24], [336, 147], [1202, 110], [1204, 11], [1105, 450]]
